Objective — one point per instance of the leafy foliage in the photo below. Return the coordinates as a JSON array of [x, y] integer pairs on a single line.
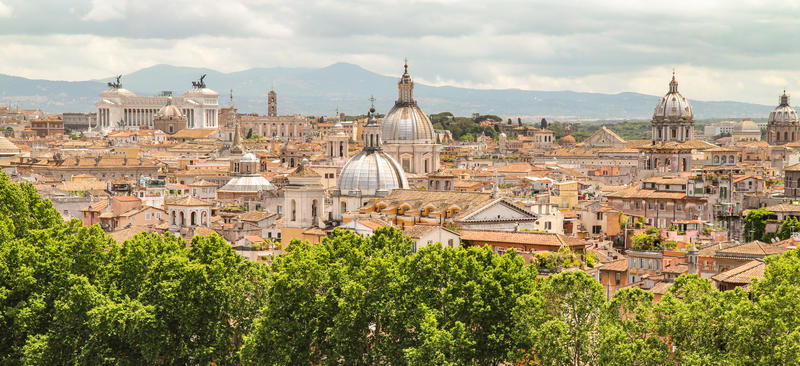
[[755, 223], [71, 295]]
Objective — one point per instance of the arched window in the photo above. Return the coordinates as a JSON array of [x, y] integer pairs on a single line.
[[173, 218], [183, 219], [731, 160], [203, 218], [724, 159], [716, 159], [685, 166], [294, 210], [193, 216], [344, 207], [786, 136]]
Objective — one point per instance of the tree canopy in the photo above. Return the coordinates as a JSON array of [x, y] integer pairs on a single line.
[[70, 294]]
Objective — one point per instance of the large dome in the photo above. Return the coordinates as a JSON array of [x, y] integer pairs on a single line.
[[784, 113], [406, 121], [370, 172], [673, 106]]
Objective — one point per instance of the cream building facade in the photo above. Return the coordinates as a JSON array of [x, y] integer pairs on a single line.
[[119, 108]]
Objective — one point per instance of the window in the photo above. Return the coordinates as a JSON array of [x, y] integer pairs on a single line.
[[596, 229], [599, 215], [678, 206], [616, 278], [450, 243], [661, 206], [548, 225], [637, 205], [147, 216], [158, 215]]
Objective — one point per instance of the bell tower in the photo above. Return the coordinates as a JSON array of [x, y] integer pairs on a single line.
[[272, 103]]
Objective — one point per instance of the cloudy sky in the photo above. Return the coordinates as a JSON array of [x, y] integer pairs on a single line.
[[721, 50]]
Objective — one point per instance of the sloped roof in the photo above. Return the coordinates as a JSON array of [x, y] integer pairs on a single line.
[[521, 237], [188, 201], [743, 274]]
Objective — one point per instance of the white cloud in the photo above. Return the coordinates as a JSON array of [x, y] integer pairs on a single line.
[[105, 10], [5, 10], [734, 50]]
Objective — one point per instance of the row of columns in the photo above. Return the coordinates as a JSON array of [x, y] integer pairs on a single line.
[[285, 130]]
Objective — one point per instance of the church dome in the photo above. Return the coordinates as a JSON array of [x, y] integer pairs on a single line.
[[406, 121], [252, 183], [370, 172], [249, 158], [170, 111], [783, 113], [746, 126], [568, 139], [673, 106]]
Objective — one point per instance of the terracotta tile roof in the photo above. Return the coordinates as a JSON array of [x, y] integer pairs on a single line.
[[753, 248], [255, 216], [661, 288], [616, 266], [521, 237], [743, 274], [667, 179], [97, 206], [194, 133]]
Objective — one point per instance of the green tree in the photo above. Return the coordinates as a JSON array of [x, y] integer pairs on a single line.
[[755, 223], [788, 227], [574, 301]]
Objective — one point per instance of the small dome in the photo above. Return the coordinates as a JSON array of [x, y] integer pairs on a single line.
[[673, 106], [783, 113], [249, 158], [370, 172], [746, 126], [170, 111], [568, 139], [117, 92], [201, 92]]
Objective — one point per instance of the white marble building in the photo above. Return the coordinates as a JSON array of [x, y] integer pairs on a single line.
[[119, 108]]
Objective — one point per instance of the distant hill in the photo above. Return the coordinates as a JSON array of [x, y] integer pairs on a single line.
[[347, 87]]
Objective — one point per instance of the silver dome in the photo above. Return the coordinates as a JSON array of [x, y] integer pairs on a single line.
[[369, 173], [673, 106], [406, 121], [784, 113]]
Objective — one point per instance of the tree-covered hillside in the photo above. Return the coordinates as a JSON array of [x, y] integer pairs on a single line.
[[71, 295]]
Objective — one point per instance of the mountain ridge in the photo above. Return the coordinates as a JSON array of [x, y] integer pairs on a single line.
[[346, 87]]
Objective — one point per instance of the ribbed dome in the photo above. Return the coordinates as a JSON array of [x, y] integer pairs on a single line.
[[406, 121], [673, 106], [371, 171], [247, 183], [170, 111], [568, 139], [783, 113]]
